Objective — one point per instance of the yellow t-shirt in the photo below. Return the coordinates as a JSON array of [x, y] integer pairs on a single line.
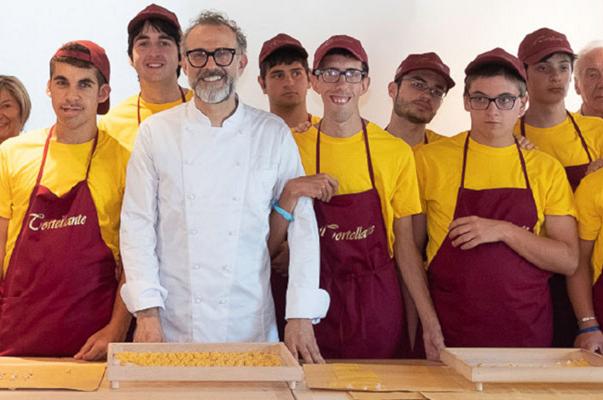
[[589, 206], [431, 137], [122, 120], [20, 159], [562, 142], [345, 159], [439, 167]]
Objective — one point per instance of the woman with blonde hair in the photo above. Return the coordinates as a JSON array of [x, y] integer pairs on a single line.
[[15, 106]]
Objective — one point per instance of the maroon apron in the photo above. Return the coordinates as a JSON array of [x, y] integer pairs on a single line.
[[598, 298], [564, 318], [366, 318], [490, 296], [574, 173], [60, 285]]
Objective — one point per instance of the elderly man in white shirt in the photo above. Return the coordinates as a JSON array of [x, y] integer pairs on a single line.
[[199, 207]]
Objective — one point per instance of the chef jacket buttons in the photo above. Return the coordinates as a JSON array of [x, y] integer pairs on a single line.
[[197, 300]]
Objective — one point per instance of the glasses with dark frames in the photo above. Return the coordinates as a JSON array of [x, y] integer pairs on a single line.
[[502, 102], [222, 56], [332, 75]]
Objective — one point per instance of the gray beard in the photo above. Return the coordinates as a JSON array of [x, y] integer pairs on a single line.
[[215, 95]]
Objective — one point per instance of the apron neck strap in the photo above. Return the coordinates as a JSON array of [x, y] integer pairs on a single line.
[[182, 98], [579, 132], [45, 154], [366, 145], [522, 127], [521, 160]]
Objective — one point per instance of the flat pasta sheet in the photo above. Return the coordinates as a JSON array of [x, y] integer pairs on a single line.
[[385, 378], [50, 373]]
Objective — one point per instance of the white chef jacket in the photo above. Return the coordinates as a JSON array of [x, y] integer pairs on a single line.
[[195, 223]]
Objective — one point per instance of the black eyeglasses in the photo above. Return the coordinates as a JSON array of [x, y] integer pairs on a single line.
[[503, 102], [332, 75], [222, 56], [423, 87]]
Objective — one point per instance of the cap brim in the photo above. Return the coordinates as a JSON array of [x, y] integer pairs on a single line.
[[449, 82], [285, 46], [539, 56]]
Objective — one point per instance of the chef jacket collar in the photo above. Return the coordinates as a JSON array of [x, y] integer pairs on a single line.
[[233, 121]]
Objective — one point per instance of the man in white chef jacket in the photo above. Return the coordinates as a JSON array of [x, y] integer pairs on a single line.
[[198, 206]]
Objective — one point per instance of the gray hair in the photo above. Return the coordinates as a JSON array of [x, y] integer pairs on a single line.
[[594, 45], [216, 18]]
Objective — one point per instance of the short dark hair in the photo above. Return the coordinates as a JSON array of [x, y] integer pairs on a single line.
[[284, 55], [345, 53], [160, 25], [72, 46], [570, 55], [492, 70]]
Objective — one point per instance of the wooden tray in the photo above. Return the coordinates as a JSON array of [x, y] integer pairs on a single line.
[[290, 371], [511, 365]]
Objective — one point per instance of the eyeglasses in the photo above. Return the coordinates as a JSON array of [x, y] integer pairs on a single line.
[[423, 87], [332, 75], [503, 102], [222, 56]]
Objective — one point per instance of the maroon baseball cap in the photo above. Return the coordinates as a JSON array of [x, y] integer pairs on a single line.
[[500, 57], [96, 56], [154, 11], [429, 61], [542, 43], [280, 41], [340, 42]]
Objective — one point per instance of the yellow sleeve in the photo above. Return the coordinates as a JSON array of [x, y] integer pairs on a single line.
[[420, 163], [589, 212], [5, 190], [559, 197], [405, 199]]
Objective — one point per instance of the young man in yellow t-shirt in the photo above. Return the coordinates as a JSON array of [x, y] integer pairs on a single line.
[[154, 49], [418, 89], [573, 139], [60, 199], [368, 222], [284, 78], [494, 243], [585, 287]]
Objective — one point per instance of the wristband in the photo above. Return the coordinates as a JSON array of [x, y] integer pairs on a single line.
[[593, 328], [284, 213], [586, 319]]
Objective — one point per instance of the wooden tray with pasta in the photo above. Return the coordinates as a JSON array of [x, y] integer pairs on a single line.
[[481, 365], [216, 362]]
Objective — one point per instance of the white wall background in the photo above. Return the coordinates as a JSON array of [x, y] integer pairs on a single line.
[[30, 32]]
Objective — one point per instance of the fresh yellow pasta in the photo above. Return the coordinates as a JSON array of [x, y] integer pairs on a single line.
[[198, 359]]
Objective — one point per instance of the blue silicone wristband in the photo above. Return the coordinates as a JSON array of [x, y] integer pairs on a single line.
[[593, 328], [284, 213]]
